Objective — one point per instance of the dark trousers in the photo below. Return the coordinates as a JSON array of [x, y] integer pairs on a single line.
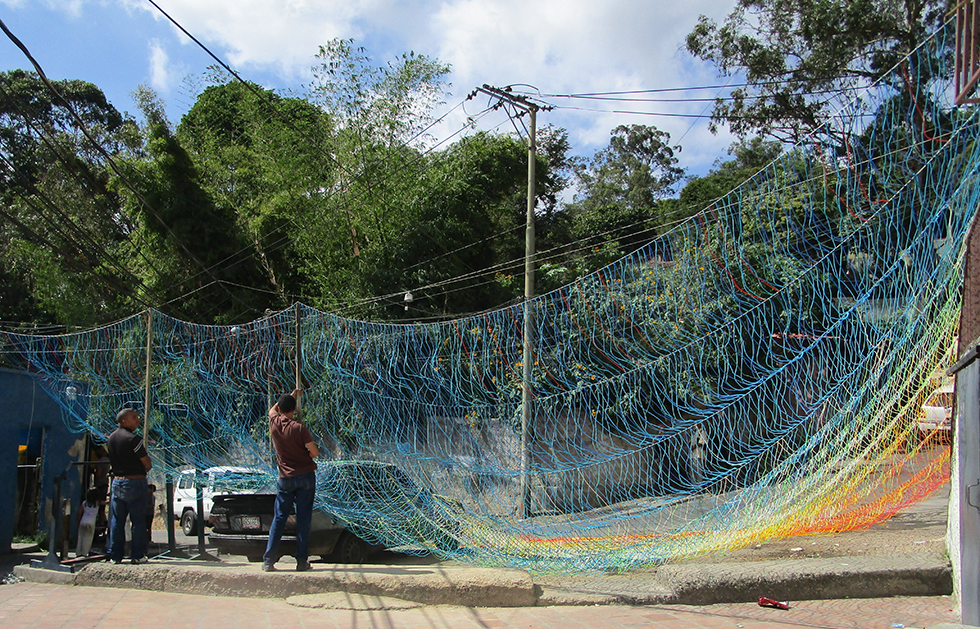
[[128, 499], [297, 492]]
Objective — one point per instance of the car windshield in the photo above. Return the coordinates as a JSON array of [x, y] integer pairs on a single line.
[[371, 482], [240, 481]]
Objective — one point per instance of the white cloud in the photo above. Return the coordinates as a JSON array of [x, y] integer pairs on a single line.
[[560, 46], [160, 77], [281, 35], [71, 7], [576, 46]]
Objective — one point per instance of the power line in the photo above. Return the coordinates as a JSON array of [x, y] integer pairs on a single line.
[[100, 149], [701, 99], [663, 114], [43, 136], [276, 110], [664, 90]]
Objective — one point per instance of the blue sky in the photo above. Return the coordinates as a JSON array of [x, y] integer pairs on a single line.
[[559, 46]]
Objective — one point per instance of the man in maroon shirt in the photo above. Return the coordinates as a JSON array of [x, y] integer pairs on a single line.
[[295, 454]]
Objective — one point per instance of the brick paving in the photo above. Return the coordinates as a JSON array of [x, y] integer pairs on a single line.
[[44, 606]]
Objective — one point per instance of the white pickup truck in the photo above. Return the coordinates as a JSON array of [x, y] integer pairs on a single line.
[[938, 411], [215, 481]]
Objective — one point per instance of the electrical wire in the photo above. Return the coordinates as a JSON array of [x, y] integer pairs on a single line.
[[100, 149], [39, 131]]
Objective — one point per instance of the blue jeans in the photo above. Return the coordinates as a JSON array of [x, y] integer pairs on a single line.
[[298, 491], [129, 496]]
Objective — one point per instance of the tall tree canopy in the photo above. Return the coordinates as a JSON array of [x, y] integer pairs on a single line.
[[189, 246], [621, 187], [801, 58], [62, 225], [391, 103], [336, 198], [264, 159], [347, 207]]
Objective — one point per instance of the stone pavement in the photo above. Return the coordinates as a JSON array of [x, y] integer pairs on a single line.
[[46, 606]]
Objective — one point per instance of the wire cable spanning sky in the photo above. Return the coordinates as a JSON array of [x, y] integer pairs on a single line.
[[575, 48], [690, 103]]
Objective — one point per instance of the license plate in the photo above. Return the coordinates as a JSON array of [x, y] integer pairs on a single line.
[[251, 522]]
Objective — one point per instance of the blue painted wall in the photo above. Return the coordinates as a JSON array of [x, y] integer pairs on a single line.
[[25, 409]]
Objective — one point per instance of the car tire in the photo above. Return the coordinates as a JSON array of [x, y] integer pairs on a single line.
[[350, 549], [254, 558], [188, 523]]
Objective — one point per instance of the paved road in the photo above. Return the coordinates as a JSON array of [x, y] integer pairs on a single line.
[[44, 606]]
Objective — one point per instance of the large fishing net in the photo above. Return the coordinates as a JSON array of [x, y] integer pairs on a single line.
[[758, 371]]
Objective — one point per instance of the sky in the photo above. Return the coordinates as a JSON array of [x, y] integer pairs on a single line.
[[556, 46]]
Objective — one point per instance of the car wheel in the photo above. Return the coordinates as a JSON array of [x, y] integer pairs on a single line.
[[188, 523], [254, 558], [350, 549]]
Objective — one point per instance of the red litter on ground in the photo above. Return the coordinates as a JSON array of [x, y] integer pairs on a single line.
[[768, 602]]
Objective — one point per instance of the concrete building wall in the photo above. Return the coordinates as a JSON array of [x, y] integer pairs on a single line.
[[963, 536], [24, 406]]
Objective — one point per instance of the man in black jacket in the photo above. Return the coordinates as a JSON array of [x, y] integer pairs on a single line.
[[129, 463]]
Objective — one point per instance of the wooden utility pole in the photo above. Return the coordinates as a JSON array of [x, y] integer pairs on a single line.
[[527, 400], [299, 357], [146, 392]]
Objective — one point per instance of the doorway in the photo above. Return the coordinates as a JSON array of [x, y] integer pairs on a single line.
[[30, 448]]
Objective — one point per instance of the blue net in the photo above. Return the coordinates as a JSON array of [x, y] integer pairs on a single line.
[[758, 371]]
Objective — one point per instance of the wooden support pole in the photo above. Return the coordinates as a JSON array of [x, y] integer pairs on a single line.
[[299, 356], [146, 393], [527, 397], [527, 372]]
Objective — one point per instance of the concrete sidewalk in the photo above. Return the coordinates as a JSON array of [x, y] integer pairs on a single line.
[[440, 584]]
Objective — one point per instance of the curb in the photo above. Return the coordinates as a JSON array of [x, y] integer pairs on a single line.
[[41, 575], [814, 579], [429, 585], [681, 584], [786, 580]]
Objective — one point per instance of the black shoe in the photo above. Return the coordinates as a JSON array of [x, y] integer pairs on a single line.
[[268, 567], [303, 566]]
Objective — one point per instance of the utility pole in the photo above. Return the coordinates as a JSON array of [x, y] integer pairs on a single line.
[[298, 356], [527, 409]]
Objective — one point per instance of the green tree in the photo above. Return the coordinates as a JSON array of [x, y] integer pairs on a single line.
[[465, 216], [187, 248], [622, 186], [802, 58], [390, 104], [345, 205], [748, 157], [62, 226], [377, 114], [263, 159]]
